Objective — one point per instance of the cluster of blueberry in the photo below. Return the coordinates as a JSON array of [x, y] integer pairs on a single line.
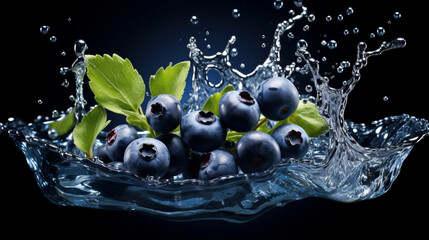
[[201, 150]]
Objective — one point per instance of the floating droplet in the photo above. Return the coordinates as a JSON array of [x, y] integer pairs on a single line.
[[292, 12], [290, 35], [234, 52], [380, 31], [53, 39], [63, 53], [372, 35], [44, 29], [346, 32], [69, 19], [263, 36], [242, 65], [278, 4], [340, 69], [311, 18], [350, 11], [332, 44], [324, 59], [209, 46], [72, 98], [328, 18], [340, 17], [263, 45], [40, 101], [194, 20], [207, 33], [397, 15], [55, 114], [355, 30], [301, 44], [345, 64], [65, 83], [385, 98], [323, 43], [64, 70], [235, 13], [52, 133], [80, 47], [306, 28], [308, 88]]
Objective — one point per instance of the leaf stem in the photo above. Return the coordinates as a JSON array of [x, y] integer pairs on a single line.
[[262, 121]]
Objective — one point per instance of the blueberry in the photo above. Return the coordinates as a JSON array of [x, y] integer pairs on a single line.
[[277, 97], [202, 131], [292, 139], [217, 163], [164, 113], [256, 152], [118, 139], [147, 157], [239, 111], [179, 154], [101, 153]]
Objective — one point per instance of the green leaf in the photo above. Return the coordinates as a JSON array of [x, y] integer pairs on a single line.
[[65, 124], [212, 103], [88, 129], [171, 81], [117, 86], [306, 116]]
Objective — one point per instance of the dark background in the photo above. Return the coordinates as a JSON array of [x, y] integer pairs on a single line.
[[152, 34]]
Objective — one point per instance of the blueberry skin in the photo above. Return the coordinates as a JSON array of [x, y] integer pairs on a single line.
[[202, 131], [256, 152], [179, 154], [239, 111], [164, 113], [292, 139], [217, 163], [118, 139], [277, 97], [147, 157], [101, 154]]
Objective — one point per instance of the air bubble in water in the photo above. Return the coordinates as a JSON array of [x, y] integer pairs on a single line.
[[397, 15], [53, 39], [44, 29], [235, 13], [278, 4], [194, 20], [332, 44], [234, 52], [380, 31]]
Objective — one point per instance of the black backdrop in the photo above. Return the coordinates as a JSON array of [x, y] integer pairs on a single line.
[[152, 34]]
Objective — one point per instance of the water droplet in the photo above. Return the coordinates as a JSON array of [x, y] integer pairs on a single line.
[[209, 46], [40, 101], [301, 44], [290, 35], [397, 15], [292, 12], [332, 44], [52, 133], [69, 19], [385, 98], [350, 11], [346, 32], [80, 47], [345, 64], [311, 18], [65, 83], [207, 33], [355, 30], [328, 18], [323, 43], [72, 98], [53, 39], [63, 53], [324, 59], [380, 31], [308, 88], [263, 45], [64, 70], [340, 69], [372, 35], [242, 65], [278, 4], [55, 114], [235, 13], [44, 29], [194, 20], [263, 36], [340, 17], [234, 52], [306, 28]]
